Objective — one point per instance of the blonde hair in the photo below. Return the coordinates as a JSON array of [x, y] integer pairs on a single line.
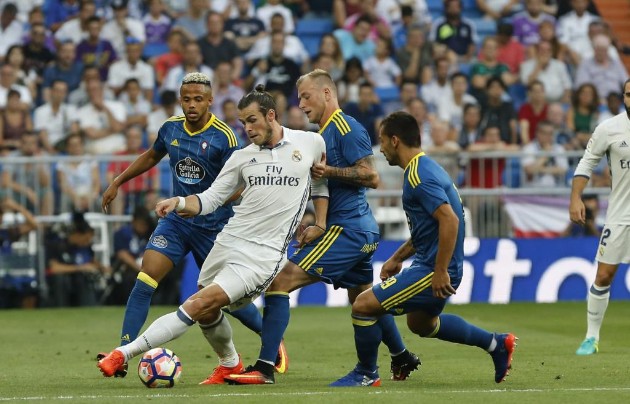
[[197, 78], [321, 77]]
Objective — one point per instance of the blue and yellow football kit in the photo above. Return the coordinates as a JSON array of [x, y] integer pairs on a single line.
[[343, 254], [196, 158], [426, 187]]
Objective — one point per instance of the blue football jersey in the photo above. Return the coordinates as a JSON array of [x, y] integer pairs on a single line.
[[347, 141], [426, 187], [196, 158]]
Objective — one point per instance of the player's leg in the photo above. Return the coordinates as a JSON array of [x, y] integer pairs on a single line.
[[597, 303], [205, 304]]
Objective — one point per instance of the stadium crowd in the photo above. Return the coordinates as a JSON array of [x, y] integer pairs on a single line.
[[87, 78]]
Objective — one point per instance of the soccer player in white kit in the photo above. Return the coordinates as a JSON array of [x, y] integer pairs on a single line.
[[274, 174], [611, 138]]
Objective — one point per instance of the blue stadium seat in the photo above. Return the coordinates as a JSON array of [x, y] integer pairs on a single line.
[[154, 49], [469, 5], [436, 5], [387, 94], [311, 43], [485, 27], [518, 94], [313, 27], [512, 173]]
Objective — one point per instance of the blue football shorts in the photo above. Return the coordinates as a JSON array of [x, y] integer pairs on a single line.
[[340, 257]]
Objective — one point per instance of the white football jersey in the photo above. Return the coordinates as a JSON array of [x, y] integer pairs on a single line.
[[611, 138], [277, 184]]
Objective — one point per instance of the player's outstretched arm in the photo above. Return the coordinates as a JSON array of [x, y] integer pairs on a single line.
[[146, 161], [394, 264], [185, 207], [577, 211], [362, 173]]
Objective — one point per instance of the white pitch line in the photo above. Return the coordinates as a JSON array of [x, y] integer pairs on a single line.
[[314, 393]]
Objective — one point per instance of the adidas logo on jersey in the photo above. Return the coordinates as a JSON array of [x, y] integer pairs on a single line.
[[623, 144], [252, 161], [175, 143]]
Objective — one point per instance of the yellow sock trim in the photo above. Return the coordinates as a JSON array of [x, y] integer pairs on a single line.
[[142, 277], [434, 332], [363, 323], [276, 293]]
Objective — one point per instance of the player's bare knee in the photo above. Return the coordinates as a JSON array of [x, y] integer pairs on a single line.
[[421, 328], [367, 305], [200, 307]]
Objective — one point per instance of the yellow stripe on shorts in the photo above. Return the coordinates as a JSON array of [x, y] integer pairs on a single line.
[[319, 250], [408, 292]]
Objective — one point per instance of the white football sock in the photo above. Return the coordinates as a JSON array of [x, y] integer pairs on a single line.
[[162, 330], [219, 335], [597, 303]]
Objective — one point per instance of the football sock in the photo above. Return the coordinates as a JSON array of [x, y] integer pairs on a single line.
[[455, 329], [219, 335], [367, 337], [137, 307], [391, 335], [162, 330], [596, 305], [249, 316], [275, 322]]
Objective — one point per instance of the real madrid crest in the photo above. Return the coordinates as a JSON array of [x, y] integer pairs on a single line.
[[297, 156]]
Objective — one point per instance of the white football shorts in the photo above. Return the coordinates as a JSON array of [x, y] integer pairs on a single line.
[[614, 244], [243, 270]]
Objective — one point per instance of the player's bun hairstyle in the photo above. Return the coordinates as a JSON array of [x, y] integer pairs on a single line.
[[197, 78], [402, 125], [264, 100]]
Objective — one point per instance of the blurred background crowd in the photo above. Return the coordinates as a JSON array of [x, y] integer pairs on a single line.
[[507, 93]]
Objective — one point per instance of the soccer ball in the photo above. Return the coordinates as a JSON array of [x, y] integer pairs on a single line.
[[159, 367]]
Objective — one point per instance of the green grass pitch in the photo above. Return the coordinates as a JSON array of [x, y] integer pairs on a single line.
[[48, 356]]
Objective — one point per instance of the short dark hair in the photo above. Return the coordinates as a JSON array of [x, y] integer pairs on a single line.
[[495, 79], [458, 74], [167, 98], [258, 95], [404, 126], [93, 18]]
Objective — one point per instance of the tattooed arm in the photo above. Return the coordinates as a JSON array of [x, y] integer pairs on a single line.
[[361, 174]]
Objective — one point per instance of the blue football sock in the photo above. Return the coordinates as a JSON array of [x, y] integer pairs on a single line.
[[275, 322], [391, 335], [455, 329], [137, 307], [250, 317], [367, 337]]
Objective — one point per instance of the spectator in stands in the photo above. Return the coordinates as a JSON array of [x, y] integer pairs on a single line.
[[487, 172], [272, 7], [56, 119], [498, 9], [76, 29], [244, 29], [121, 27], [583, 114], [194, 21], [439, 87], [380, 27], [102, 121], [11, 29], [526, 22], [20, 294], [495, 112], [157, 23], [510, 52], [356, 43], [407, 92], [400, 31], [25, 76], [348, 86], [544, 170], [296, 119], [450, 109], [590, 227], [443, 150], [547, 32], [63, 68], [368, 111], [223, 88], [216, 48], [191, 62], [277, 73], [230, 117], [79, 180], [79, 96], [60, 11], [608, 75], [36, 52], [549, 71], [168, 107], [557, 117], [532, 112], [29, 183], [614, 102], [73, 272], [488, 66], [414, 58], [470, 132], [381, 70], [132, 67], [344, 8], [132, 193], [599, 27], [95, 51], [8, 82], [418, 109], [165, 62], [129, 244], [294, 48], [572, 29], [329, 46], [15, 121], [456, 32], [137, 107]]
